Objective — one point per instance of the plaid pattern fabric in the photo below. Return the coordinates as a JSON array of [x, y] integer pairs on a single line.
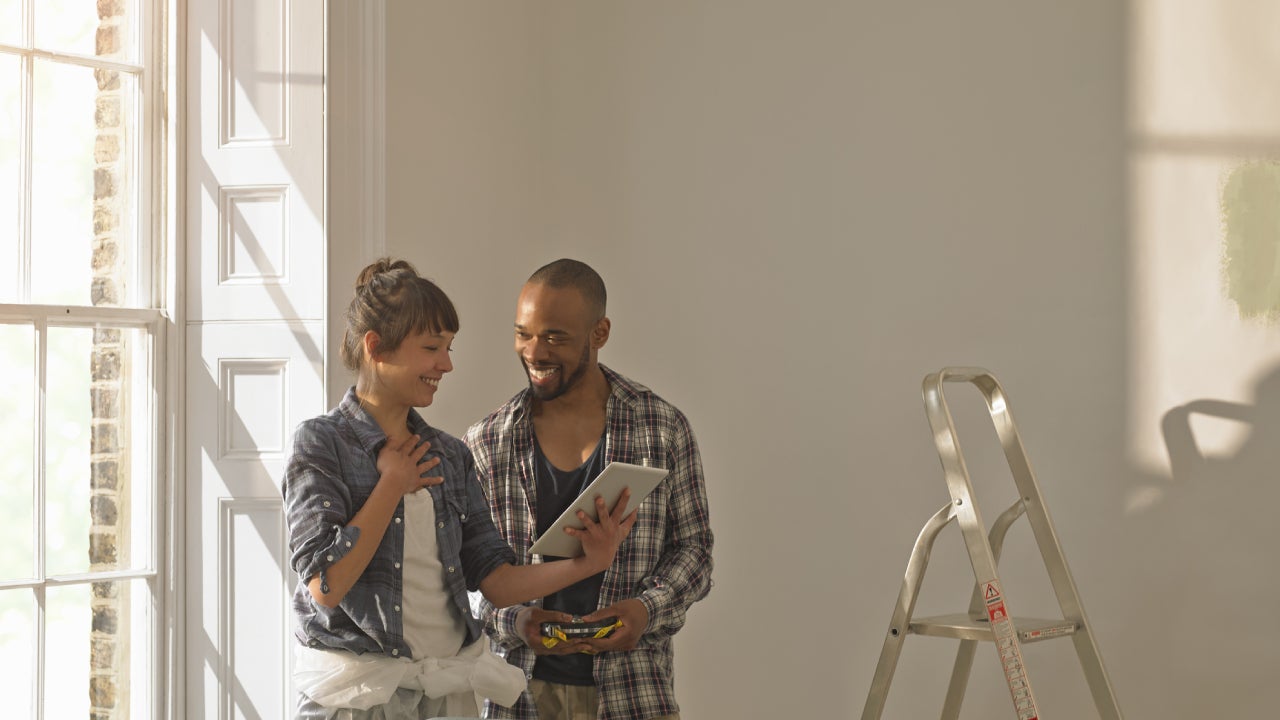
[[665, 561], [330, 475]]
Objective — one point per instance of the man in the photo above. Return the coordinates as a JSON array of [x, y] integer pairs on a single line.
[[535, 454]]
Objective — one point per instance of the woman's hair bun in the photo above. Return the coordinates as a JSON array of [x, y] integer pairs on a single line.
[[382, 266]]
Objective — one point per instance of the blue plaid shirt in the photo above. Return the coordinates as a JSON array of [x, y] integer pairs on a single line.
[[665, 561], [331, 473]]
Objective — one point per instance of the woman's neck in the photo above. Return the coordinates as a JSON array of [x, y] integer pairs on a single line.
[[392, 417]]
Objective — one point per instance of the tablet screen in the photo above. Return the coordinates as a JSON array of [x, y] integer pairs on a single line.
[[608, 484]]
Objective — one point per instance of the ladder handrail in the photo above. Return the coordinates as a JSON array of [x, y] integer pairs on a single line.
[[1046, 536], [1015, 454], [988, 604]]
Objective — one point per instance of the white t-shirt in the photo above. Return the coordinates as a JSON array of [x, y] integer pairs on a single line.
[[432, 626]]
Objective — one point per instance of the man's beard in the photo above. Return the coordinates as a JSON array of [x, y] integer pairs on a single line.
[[565, 385]]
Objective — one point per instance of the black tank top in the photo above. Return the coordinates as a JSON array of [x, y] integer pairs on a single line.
[[557, 489]]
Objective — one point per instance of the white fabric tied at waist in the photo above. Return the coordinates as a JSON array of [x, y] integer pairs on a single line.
[[339, 679]]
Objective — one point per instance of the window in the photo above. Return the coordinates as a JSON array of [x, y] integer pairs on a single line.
[[81, 350]]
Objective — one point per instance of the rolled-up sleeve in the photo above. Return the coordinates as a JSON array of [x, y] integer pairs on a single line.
[[317, 503], [683, 573]]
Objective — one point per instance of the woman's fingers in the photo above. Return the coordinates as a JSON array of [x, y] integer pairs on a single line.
[[620, 507]]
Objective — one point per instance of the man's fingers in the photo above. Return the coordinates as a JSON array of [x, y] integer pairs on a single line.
[[600, 614]]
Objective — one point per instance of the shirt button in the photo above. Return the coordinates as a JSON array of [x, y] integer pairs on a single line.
[[397, 521], [440, 525], [450, 568], [397, 566], [348, 543], [394, 651], [326, 503], [397, 608], [329, 558], [463, 516]]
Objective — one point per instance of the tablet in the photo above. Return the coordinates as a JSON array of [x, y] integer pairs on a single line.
[[608, 484]]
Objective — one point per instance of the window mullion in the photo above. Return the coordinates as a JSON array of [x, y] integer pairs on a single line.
[[26, 142], [65, 58], [42, 357], [42, 374], [38, 702]]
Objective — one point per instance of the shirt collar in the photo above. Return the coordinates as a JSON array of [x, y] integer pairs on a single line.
[[368, 431]]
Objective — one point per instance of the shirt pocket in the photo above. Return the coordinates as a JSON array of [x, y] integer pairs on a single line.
[[452, 518]]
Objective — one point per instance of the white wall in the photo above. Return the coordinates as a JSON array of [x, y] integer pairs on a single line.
[[801, 209]]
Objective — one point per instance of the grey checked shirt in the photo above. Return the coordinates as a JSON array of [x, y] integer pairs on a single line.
[[665, 561], [330, 475]]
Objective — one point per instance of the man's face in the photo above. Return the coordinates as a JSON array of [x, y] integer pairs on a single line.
[[553, 339]]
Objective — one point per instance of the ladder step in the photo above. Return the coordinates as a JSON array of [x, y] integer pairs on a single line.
[[962, 627]]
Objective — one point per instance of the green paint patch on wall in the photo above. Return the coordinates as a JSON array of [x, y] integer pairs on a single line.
[[1251, 248]]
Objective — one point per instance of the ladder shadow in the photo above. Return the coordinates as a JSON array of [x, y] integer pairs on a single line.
[[1221, 501], [1254, 459], [1207, 535]]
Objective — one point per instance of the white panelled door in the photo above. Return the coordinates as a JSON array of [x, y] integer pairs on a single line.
[[255, 334]]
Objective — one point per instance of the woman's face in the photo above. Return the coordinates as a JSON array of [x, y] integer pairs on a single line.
[[410, 375]]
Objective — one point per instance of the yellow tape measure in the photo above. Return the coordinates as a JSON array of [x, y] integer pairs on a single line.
[[555, 633]]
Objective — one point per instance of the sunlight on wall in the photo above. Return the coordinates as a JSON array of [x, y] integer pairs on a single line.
[[1203, 107]]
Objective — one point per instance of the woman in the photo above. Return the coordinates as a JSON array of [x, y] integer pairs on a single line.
[[388, 528]]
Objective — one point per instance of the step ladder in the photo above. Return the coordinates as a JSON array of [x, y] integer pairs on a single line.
[[988, 617]]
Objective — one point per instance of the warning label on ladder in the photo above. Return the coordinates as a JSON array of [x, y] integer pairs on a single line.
[[1010, 653]]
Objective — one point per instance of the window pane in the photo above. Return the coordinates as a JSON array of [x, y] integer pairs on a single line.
[[18, 646], [97, 641], [10, 144], [136, 473], [69, 620], [75, 26], [97, 433], [135, 665], [67, 436], [11, 22], [83, 197], [17, 452]]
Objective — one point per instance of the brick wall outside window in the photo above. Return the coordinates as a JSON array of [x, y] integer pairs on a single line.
[[109, 443]]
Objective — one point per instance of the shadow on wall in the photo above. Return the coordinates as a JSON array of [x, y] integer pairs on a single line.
[[1209, 539], [1257, 455]]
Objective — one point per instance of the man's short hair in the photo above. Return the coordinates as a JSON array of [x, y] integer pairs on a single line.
[[566, 273]]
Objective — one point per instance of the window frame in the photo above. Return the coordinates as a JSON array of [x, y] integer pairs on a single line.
[[152, 569], [153, 258]]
